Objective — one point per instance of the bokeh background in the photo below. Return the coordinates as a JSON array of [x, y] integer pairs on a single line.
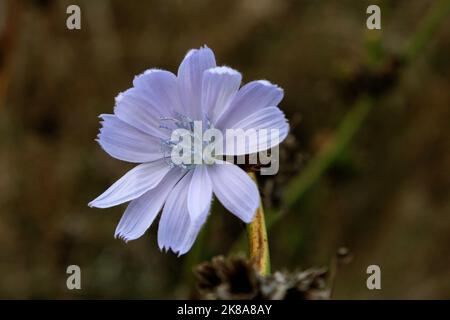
[[369, 148]]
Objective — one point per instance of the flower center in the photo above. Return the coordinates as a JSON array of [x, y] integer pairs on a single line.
[[186, 147]]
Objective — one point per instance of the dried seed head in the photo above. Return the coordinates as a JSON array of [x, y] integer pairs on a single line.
[[235, 278]]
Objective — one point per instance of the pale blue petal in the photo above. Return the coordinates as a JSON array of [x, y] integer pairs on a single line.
[[141, 212], [220, 85], [134, 108], [262, 122], [250, 98], [193, 231], [176, 230], [200, 193], [154, 95], [160, 88], [235, 190], [174, 221], [133, 184], [190, 75], [125, 142]]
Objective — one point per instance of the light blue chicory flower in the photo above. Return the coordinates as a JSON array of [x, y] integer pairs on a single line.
[[160, 100]]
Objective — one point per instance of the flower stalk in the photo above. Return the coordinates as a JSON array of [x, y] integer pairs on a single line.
[[258, 243]]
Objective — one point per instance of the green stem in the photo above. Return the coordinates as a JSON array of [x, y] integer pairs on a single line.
[[347, 129], [258, 243], [427, 28], [356, 117]]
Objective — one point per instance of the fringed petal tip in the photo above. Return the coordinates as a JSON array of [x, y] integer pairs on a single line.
[[203, 48], [224, 70], [105, 116], [167, 249], [267, 83], [121, 236], [147, 72], [94, 204]]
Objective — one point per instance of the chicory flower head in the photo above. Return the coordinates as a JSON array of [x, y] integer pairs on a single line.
[[140, 131]]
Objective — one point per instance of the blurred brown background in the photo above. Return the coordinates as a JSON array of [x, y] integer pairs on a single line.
[[385, 196]]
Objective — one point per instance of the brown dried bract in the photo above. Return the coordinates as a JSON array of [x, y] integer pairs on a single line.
[[235, 278]]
